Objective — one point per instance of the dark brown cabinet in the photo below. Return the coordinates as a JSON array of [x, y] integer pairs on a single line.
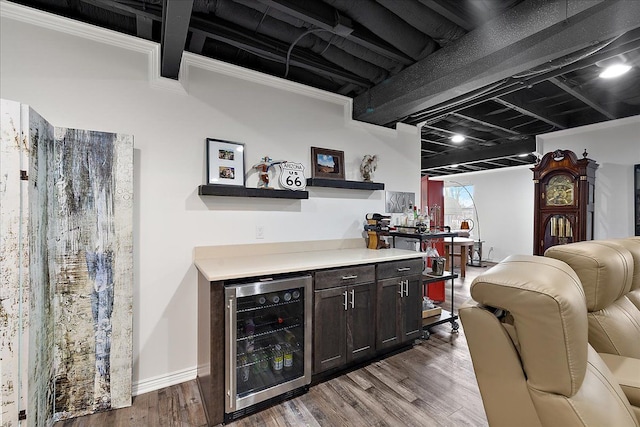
[[344, 313], [564, 199], [399, 303]]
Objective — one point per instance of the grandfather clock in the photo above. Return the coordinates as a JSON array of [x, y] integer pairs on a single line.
[[564, 194]]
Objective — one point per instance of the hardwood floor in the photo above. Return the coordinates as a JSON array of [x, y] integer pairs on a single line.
[[432, 384]]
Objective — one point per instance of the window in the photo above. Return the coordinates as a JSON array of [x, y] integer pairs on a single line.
[[458, 205]]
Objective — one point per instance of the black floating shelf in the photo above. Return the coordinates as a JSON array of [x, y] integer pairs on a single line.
[[339, 183], [224, 190]]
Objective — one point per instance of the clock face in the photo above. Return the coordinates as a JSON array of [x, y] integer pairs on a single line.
[[559, 191]]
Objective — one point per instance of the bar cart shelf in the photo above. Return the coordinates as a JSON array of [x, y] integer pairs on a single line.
[[445, 316]]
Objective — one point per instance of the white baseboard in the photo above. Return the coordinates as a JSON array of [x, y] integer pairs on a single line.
[[162, 381]]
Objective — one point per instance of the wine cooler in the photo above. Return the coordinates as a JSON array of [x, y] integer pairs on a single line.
[[268, 349]]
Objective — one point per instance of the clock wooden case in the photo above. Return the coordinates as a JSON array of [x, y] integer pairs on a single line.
[[564, 199]]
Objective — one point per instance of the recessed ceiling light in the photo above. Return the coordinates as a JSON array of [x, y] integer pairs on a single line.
[[455, 165], [614, 70], [523, 155], [457, 138]]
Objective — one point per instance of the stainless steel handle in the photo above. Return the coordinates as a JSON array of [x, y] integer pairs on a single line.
[[353, 276], [231, 344], [401, 269], [401, 292], [353, 298], [345, 300], [406, 289]]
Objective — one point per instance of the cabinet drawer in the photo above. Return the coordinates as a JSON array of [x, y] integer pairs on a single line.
[[407, 267], [325, 279]]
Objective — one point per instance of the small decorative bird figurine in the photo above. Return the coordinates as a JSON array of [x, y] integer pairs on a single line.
[[368, 166]]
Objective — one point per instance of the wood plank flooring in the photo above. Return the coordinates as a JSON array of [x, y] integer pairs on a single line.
[[432, 384]]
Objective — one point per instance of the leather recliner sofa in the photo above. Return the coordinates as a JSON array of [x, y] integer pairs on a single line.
[[609, 271], [606, 272], [527, 332]]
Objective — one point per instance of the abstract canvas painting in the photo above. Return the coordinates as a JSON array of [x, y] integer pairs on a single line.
[[67, 240], [90, 184]]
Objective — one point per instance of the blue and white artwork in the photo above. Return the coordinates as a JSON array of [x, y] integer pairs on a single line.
[[67, 239], [90, 184]]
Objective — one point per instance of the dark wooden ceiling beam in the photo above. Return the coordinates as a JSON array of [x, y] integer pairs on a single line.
[[532, 34], [461, 157], [517, 101], [176, 15], [144, 27], [580, 95], [322, 15], [196, 43]]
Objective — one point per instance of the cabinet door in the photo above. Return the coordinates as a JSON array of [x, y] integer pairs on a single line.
[[361, 333], [388, 313], [329, 325], [412, 310]]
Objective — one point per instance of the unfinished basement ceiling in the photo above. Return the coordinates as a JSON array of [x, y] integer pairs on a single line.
[[499, 72]]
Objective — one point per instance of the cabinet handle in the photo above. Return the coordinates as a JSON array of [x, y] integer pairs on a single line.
[[406, 289], [345, 303], [353, 276], [401, 269], [353, 298], [231, 344], [401, 291]]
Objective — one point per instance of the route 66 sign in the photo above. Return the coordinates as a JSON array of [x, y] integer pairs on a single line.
[[292, 176]]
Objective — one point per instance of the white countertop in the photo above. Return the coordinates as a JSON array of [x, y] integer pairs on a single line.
[[236, 267]]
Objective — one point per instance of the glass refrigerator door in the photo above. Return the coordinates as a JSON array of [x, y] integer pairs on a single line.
[[269, 345], [270, 340]]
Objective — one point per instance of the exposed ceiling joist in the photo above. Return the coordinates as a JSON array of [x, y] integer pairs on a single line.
[[144, 27], [274, 51], [323, 16], [516, 101], [486, 154], [532, 34], [627, 43], [576, 93], [445, 9], [176, 15], [486, 122], [452, 132], [196, 43]]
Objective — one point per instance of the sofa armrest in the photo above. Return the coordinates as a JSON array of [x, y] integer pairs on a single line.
[[627, 371]]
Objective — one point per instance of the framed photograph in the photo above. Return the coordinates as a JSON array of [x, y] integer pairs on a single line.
[[327, 163], [225, 162]]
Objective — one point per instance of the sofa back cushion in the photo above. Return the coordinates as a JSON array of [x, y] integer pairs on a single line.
[[606, 271]]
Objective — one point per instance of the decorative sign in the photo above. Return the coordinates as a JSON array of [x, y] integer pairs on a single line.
[[292, 176]]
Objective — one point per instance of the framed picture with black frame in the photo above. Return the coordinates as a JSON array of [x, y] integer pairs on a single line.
[[328, 164], [225, 162]]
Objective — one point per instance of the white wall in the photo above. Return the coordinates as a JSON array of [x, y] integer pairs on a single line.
[[504, 197], [78, 76], [504, 200]]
